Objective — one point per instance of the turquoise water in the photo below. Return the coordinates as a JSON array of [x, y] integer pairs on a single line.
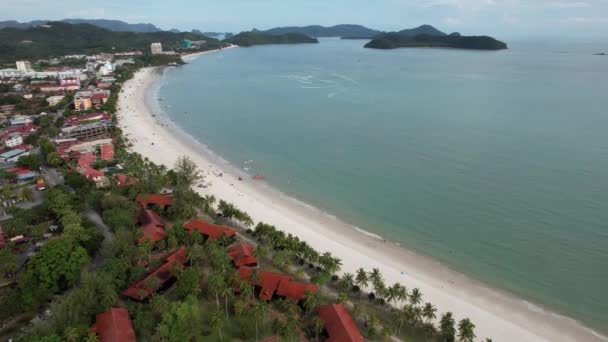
[[496, 163]]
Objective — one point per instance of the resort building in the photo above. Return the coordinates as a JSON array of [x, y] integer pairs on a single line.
[[123, 180], [339, 325], [24, 66], [75, 120], [208, 230], [12, 155], [242, 255], [154, 199], [161, 278], [13, 139], [270, 284], [54, 100], [185, 44], [156, 48], [68, 84], [152, 226], [87, 131], [85, 100], [113, 325]]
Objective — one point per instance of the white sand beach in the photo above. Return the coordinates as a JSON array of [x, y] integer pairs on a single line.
[[497, 315]]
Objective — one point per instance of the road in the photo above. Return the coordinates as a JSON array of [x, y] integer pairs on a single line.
[[94, 217], [51, 176]]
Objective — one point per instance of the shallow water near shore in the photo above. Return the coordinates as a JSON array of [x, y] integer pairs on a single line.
[[491, 162]]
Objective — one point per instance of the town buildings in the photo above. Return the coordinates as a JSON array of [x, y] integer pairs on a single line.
[[85, 100], [24, 66], [156, 48], [54, 100], [86, 131]]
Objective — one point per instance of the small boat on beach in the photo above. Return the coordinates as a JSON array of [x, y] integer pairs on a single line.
[[259, 177]]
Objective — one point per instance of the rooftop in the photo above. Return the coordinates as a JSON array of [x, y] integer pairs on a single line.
[[114, 325], [339, 324], [242, 254], [158, 199], [210, 230]]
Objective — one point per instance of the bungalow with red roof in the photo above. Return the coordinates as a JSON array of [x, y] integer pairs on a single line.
[[339, 325], [75, 120], [155, 199], [295, 290], [2, 239], [270, 283], [152, 226], [124, 180], [159, 279], [242, 255], [107, 152], [113, 325], [209, 230]]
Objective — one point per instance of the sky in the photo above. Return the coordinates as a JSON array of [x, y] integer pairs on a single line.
[[500, 18]]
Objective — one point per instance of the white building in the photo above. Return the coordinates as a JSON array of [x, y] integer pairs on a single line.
[[24, 66], [156, 48], [13, 140], [54, 100]]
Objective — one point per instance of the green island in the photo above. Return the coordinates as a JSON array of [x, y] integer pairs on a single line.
[[396, 40], [246, 39]]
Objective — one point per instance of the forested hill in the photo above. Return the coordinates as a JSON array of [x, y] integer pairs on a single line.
[[397, 40], [322, 31], [423, 29], [59, 38], [112, 25], [246, 39]]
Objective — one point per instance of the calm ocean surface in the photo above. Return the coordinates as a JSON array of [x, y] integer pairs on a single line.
[[495, 163]]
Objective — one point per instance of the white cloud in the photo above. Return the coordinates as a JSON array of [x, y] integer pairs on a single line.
[[584, 20], [578, 4], [453, 21]]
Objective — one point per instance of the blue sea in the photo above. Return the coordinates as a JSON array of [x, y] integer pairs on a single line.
[[493, 162]]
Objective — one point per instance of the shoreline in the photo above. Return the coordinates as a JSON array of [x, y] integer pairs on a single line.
[[497, 315]]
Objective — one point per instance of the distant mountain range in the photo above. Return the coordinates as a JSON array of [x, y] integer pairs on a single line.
[[352, 31], [322, 31], [112, 25], [246, 39]]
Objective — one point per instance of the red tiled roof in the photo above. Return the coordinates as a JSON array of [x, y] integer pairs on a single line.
[[2, 243], [114, 325], [181, 255], [152, 225], [124, 180], [98, 96], [86, 159], [268, 281], [210, 230], [163, 200], [19, 170], [242, 254], [150, 284], [339, 324], [107, 152], [89, 172], [295, 290], [74, 120]]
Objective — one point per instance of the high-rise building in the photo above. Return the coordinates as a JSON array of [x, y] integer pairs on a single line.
[[24, 66], [156, 48]]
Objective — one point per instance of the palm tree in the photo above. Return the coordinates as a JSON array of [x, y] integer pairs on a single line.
[[258, 311], [310, 301], [217, 285], [342, 298], [446, 327], [428, 312], [362, 279], [348, 281], [466, 331], [415, 297], [317, 327], [217, 321], [71, 334]]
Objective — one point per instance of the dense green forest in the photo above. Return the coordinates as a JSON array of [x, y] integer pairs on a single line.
[[62, 39], [396, 40], [257, 38]]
